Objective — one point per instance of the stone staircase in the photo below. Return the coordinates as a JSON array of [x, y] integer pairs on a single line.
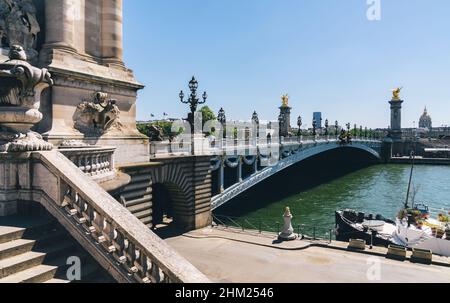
[[35, 249], [137, 197]]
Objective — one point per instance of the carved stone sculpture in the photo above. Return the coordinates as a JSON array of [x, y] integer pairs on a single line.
[[19, 25], [21, 86], [155, 133], [97, 117]]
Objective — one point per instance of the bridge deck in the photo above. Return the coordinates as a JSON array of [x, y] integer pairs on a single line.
[[215, 252]]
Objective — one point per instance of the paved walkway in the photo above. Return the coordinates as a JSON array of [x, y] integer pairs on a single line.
[[233, 256]]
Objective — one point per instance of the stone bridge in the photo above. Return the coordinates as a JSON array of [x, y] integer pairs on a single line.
[[196, 185]]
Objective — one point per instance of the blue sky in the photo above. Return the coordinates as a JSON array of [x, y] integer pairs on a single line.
[[324, 53]]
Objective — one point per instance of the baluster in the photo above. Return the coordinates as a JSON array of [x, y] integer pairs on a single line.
[[97, 168], [108, 234], [87, 166], [89, 215], [81, 207], [131, 257], [156, 277], [119, 243], [69, 200], [99, 224], [143, 267]]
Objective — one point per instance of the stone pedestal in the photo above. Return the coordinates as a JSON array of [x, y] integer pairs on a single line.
[[288, 231]]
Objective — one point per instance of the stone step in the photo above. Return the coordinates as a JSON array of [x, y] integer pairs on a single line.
[[136, 194], [139, 201], [139, 207], [16, 227], [35, 274], [57, 281], [137, 186], [147, 221], [143, 214], [55, 269], [27, 260], [19, 246]]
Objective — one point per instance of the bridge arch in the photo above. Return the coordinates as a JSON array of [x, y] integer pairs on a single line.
[[177, 187]]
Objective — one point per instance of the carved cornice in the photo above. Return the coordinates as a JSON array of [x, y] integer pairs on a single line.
[[92, 83]]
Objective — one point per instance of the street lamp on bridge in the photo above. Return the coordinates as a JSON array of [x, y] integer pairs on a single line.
[[326, 127], [299, 124], [336, 126], [314, 124], [193, 100]]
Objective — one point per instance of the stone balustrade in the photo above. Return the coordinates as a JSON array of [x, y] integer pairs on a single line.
[[96, 162], [108, 231]]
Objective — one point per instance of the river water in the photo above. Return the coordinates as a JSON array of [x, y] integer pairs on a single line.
[[378, 189]]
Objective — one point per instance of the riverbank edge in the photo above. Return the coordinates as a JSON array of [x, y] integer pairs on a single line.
[[420, 161], [298, 245]]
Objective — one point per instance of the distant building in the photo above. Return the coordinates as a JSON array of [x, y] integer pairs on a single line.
[[318, 117], [425, 120]]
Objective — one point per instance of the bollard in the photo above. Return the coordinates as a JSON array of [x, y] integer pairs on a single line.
[[331, 239]]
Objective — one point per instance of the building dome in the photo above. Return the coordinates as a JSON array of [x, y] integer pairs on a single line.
[[425, 120]]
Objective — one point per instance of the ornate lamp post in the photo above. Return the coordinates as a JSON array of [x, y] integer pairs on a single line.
[[193, 101], [255, 120], [299, 124], [361, 131], [222, 118], [336, 126], [314, 124], [365, 132], [326, 128]]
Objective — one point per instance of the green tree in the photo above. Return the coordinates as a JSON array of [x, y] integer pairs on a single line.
[[207, 115]]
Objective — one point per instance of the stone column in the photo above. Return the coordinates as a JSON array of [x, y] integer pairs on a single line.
[[285, 127], [60, 24], [396, 120], [112, 29]]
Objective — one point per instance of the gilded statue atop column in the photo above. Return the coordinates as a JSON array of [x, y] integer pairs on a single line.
[[396, 94], [285, 100]]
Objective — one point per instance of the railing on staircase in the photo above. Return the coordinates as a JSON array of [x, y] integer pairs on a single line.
[[124, 246], [96, 162]]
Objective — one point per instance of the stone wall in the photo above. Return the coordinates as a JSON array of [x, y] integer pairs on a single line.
[[188, 181]]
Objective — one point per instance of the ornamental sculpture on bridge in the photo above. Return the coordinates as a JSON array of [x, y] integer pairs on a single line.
[[98, 116], [20, 94], [396, 94]]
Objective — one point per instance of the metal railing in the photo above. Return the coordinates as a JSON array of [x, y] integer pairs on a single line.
[[259, 225], [207, 146]]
